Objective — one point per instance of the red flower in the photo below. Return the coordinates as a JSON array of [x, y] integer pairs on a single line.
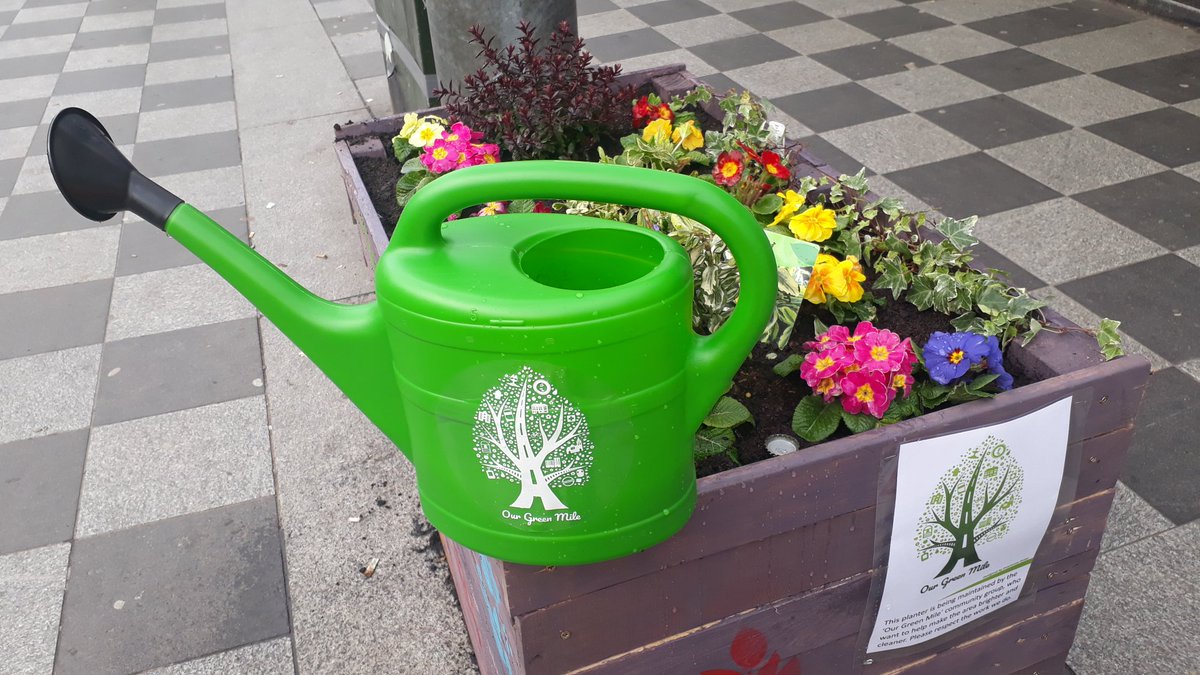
[[773, 165], [542, 207], [749, 151], [641, 112], [728, 169], [665, 113]]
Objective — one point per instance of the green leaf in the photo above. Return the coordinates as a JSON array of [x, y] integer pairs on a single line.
[[520, 206], [1035, 327], [406, 187], [1023, 304], [781, 229], [858, 423], [857, 182], [819, 326], [767, 205], [982, 381], [1109, 340], [893, 276], [728, 413], [921, 293], [902, 409], [789, 365], [414, 164], [711, 441], [958, 232], [815, 420], [993, 300]]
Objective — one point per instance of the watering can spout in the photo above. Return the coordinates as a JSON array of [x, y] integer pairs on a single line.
[[347, 342]]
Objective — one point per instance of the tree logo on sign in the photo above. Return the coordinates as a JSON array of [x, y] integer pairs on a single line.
[[973, 504]]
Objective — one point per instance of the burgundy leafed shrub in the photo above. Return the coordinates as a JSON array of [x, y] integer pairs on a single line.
[[540, 102]]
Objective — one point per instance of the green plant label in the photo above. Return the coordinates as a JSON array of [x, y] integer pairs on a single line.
[[794, 256], [971, 510]]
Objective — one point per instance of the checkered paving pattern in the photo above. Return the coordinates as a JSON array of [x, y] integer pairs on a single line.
[[176, 478]]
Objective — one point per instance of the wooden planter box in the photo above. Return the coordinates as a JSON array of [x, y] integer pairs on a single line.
[[786, 546]]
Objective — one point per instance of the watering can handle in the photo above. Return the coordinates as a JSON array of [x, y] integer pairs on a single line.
[[714, 358]]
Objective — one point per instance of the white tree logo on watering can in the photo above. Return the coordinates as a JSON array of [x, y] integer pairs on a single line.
[[526, 433]]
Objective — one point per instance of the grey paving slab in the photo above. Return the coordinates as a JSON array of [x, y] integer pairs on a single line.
[[926, 88], [785, 77], [359, 66], [122, 129], [974, 184], [311, 230], [1143, 205], [1058, 21], [31, 596], [145, 248], [187, 461], [776, 16], [1139, 41], [58, 259], [181, 369], [694, 64], [670, 11], [10, 169], [331, 464], [314, 81], [191, 93], [100, 7], [188, 153], [169, 299], [40, 213], [190, 13], [207, 190], [29, 88], [1075, 161], [189, 48], [1167, 135], [115, 21], [50, 319], [1084, 100], [839, 8], [1082, 316], [107, 57], [14, 142], [41, 490], [900, 142], [187, 70], [896, 21], [178, 589], [102, 104], [629, 44], [205, 118], [47, 393], [134, 35], [1148, 583], [14, 114], [34, 14], [101, 79], [1131, 520], [190, 29], [26, 66], [822, 36], [1012, 69], [870, 60], [269, 14], [355, 23], [1173, 79], [43, 28], [615, 20], [1045, 239], [272, 657], [836, 107], [948, 43], [994, 121]]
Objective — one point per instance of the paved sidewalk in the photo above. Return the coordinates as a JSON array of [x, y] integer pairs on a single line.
[[177, 479]]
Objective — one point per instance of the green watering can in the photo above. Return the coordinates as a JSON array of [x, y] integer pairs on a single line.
[[539, 370]]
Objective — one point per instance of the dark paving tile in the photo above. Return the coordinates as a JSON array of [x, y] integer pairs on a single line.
[[186, 49], [41, 479], [122, 128], [188, 153], [28, 66], [1008, 271], [180, 94], [193, 13], [834, 156], [1011, 69], [354, 23], [7, 17], [178, 369], [1173, 79], [720, 83], [1163, 316], [50, 319], [15, 114], [40, 213], [10, 169], [838, 106], [1162, 463], [187, 586], [974, 184], [1164, 207], [100, 79], [1168, 135], [994, 121], [135, 35], [613, 48], [48, 3], [594, 6], [774, 17], [740, 52], [359, 66], [42, 29], [144, 248], [1049, 23], [873, 59], [895, 21], [670, 11], [119, 6]]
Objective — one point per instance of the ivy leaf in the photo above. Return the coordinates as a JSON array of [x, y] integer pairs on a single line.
[[1035, 327], [858, 423], [1109, 340], [857, 182], [767, 205], [819, 326], [710, 441], [993, 300], [892, 276], [789, 365], [958, 232], [728, 413], [1023, 304], [815, 420]]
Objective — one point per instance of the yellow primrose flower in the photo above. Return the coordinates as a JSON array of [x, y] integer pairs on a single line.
[[841, 279], [658, 130], [792, 201], [425, 134], [815, 224], [411, 121], [688, 135], [850, 277]]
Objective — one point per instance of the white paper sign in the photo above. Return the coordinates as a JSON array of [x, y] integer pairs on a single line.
[[971, 510]]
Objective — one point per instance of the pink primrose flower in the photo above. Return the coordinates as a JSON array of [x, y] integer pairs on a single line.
[[824, 364], [485, 153], [836, 335], [864, 391], [440, 156], [879, 350]]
